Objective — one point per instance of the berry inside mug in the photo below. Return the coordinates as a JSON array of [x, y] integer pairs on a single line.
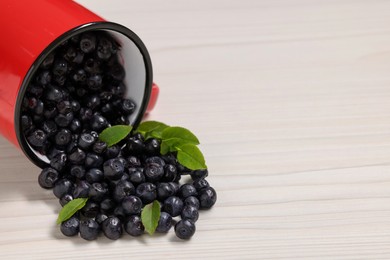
[[65, 67]]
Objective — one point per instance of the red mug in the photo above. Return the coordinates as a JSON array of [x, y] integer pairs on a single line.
[[33, 29]]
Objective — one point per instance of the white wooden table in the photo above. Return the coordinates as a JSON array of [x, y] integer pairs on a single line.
[[291, 102]]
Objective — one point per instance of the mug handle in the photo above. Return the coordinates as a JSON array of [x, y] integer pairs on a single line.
[[153, 98]]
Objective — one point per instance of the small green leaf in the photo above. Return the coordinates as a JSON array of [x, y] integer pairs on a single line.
[[164, 147], [170, 145], [70, 209], [191, 157], [114, 134], [181, 133], [150, 216], [151, 129]]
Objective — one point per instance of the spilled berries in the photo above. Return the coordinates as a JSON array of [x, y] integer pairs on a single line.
[[109, 178]]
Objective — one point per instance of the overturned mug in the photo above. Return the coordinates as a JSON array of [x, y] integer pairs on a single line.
[[31, 30]]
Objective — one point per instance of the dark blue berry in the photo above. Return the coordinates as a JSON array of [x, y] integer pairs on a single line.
[[93, 102], [132, 205], [122, 190], [70, 53], [53, 152], [108, 110], [100, 218], [185, 229], [95, 82], [77, 157], [207, 197], [89, 229], [152, 147], [91, 209], [164, 223], [88, 42], [70, 227], [170, 173], [190, 212], [32, 103], [63, 138], [107, 205], [79, 58], [75, 126], [155, 160], [98, 192], [136, 175], [113, 169], [64, 107], [187, 190], [53, 94], [153, 172], [104, 49], [94, 175], [93, 160], [79, 76], [50, 128], [50, 112], [98, 122], [99, 147], [59, 161], [112, 228], [63, 120], [119, 213], [92, 66], [48, 177], [60, 80], [128, 107], [175, 186], [44, 77], [35, 90], [75, 106], [135, 146], [201, 184], [192, 201], [60, 67], [26, 122], [199, 174], [37, 138], [85, 114], [173, 205], [112, 152], [65, 199], [85, 141], [164, 190], [81, 190], [133, 161], [39, 108], [77, 171], [134, 226], [147, 192]]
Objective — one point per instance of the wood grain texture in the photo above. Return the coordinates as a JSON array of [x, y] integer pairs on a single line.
[[291, 102]]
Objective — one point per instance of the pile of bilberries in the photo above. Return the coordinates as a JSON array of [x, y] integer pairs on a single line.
[[119, 181], [78, 92], [78, 87]]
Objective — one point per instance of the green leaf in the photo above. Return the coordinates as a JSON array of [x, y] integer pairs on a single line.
[[180, 133], [115, 134], [191, 157], [70, 209], [170, 145], [164, 147], [151, 129], [150, 216]]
